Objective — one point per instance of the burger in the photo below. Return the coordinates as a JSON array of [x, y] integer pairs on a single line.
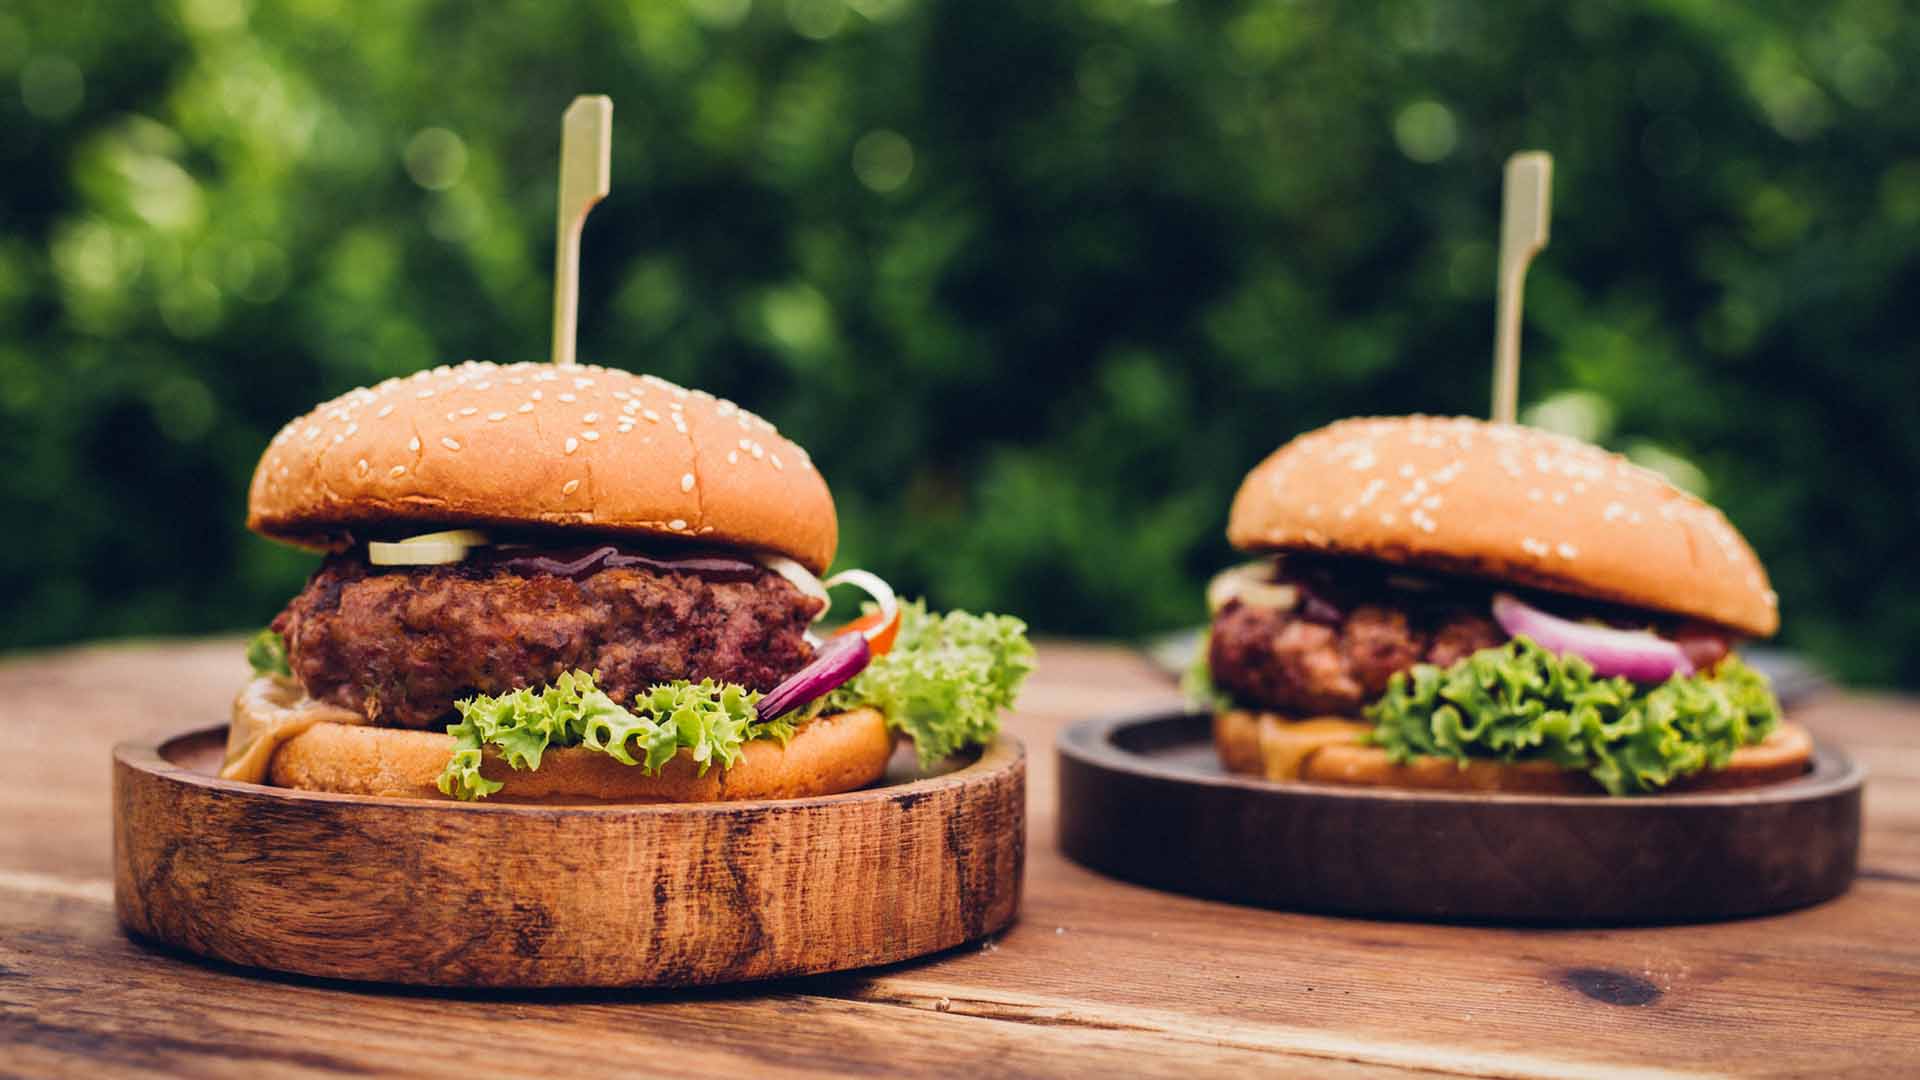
[[576, 584], [1456, 604]]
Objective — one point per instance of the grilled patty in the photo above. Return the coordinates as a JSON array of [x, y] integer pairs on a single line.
[[1356, 624], [401, 645], [1279, 660]]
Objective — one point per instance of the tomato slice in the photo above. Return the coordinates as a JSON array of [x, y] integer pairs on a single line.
[[880, 630]]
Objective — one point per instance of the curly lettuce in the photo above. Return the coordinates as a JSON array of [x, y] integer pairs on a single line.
[[943, 683], [267, 654], [708, 720], [1197, 681], [945, 680], [1519, 702]]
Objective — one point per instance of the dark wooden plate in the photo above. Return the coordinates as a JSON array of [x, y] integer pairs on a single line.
[[1144, 798], [451, 894]]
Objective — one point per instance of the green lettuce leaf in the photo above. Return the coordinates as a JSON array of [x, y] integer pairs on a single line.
[[1197, 681], [944, 683], [945, 680], [709, 720], [1519, 702], [267, 652]]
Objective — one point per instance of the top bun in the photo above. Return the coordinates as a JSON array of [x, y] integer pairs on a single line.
[[537, 444], [1504, 502]]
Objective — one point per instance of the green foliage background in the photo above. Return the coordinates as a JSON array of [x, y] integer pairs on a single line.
[[1035, 282]]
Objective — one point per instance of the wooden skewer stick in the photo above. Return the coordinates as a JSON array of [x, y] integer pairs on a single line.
[[1526, 208], [586, 156]]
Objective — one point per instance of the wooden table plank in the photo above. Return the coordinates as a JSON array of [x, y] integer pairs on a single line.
[[1098, 976]]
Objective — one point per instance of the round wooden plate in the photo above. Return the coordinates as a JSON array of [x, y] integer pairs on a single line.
[[1144, 798], [453, 894]]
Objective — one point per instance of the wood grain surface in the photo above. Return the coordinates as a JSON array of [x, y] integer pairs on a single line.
[[1143, 797], [501, 895], [1096, 976]]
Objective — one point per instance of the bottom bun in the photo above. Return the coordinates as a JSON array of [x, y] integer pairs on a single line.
[[1328, 750], [827, 755]]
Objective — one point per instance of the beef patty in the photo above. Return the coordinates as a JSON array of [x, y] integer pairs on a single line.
[[400, 645], [1357, 623], [1279, 660]]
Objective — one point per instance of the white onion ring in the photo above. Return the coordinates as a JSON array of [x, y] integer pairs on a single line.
[[873, 586], [801, 577], [1252, 584], [1639, 655], [427, 549]]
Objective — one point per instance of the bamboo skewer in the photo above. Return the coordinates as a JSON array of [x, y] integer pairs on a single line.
[[1525, 210], [586, 152]]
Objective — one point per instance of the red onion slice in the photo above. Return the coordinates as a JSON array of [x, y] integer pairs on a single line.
[[840, 659], [1639, 655]]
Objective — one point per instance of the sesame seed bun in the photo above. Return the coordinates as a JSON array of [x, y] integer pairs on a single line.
[[827, 755], [1331, 751], [1507, 503], [536, 444]]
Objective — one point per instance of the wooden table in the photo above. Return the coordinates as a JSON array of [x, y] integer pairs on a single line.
[[1096, 977]]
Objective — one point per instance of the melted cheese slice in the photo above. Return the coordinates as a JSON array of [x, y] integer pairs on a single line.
[[1285, 745], [267, 713]]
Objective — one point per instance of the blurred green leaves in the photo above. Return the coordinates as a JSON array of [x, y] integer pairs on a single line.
[[1035, 283]]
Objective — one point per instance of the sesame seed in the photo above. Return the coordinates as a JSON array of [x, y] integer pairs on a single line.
[[384, 410], [759, 451], [449, 443], [652, 417], [572, 444], [483, 386], [468, 411], [536, 395], [424, 395], [570, 487], [590, 436], [312, 433], [686, 482], [733, 457], [725, 408], [525, 406], [677, 524], [1568, 551], [360, 466], [569, 398], [679, 424], [590, 418], [775, 458], [1559, 498], [746, 444], [338, 439], [397, 471]]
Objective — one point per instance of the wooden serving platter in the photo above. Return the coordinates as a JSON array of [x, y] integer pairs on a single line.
[[478, 895], [1144, 798]]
